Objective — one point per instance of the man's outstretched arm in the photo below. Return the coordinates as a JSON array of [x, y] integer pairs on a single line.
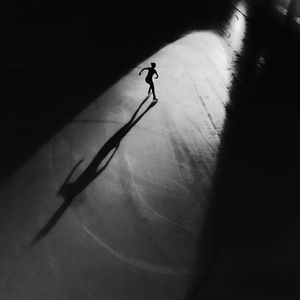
[[143, 70]]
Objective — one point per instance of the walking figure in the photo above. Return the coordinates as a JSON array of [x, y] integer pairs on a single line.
[[148, 79]]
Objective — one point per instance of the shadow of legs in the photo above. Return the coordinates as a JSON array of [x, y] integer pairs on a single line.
[[70, 190]]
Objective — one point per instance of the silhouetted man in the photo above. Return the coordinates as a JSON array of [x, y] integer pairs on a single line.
[[148, 79]]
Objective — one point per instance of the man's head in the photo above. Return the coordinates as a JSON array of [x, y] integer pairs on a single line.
[[153, 65]]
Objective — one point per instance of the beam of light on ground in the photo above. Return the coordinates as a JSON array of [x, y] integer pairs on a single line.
[[143, 213]]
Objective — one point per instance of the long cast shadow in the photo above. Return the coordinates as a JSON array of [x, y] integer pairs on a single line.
[[70, 190]]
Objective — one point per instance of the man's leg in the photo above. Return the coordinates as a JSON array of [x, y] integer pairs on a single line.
[[153, 91]]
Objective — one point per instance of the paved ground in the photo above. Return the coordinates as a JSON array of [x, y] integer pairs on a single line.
[[129, 231]]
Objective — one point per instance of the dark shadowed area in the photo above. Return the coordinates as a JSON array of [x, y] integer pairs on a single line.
[[255, 198]]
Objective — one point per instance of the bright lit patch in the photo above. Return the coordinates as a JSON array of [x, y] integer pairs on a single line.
[[160, 177], [236, 30], [147, 207]]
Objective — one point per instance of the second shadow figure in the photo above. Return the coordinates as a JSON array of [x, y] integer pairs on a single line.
[[149, 80]]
